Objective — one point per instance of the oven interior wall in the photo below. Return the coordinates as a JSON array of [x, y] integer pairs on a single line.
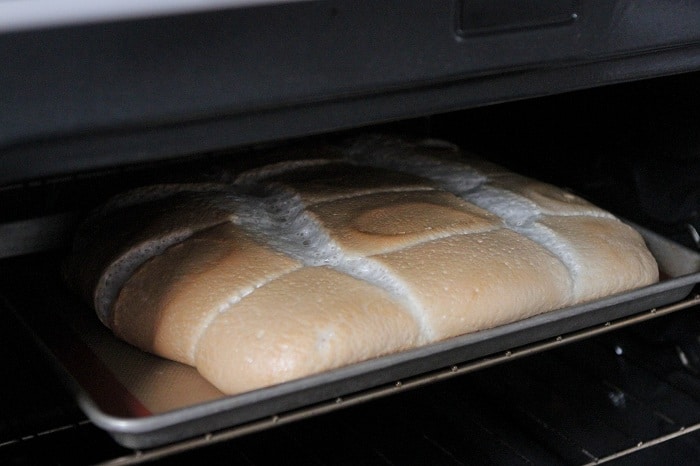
[[633, 148]]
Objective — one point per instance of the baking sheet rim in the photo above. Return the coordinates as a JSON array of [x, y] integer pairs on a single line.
[[137, 425]]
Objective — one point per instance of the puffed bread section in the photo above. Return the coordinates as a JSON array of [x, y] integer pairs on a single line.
[[169, 301], [546, 198], [476, 281], [327, 180], [603, 255], [134, 227], [383, 222], [608, 256], [308, 321]]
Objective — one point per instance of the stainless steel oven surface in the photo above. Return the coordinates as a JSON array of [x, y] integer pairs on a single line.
[[597, 97]]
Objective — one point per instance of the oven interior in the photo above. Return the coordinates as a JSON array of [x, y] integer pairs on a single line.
[[629, 395]]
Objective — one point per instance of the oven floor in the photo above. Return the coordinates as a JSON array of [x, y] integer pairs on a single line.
[[627, 397]]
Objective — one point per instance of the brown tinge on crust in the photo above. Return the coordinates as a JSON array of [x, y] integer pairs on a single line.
[[383, 222], [336, 261]]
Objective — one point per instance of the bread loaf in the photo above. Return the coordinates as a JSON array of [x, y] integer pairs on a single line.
[[374, 247]]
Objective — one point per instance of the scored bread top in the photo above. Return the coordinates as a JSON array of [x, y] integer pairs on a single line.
[[381, 222], [373, 247], [129, 229], [169, 300]]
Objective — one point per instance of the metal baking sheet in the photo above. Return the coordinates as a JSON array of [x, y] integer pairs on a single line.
[[144, 401]]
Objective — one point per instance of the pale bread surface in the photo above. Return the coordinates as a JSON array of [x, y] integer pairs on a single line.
[[609, 255], [382, 222], [133, 227], [168, 302], [308, 321], [476, 281]]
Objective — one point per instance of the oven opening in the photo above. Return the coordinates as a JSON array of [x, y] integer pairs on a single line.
[[623, 387]]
